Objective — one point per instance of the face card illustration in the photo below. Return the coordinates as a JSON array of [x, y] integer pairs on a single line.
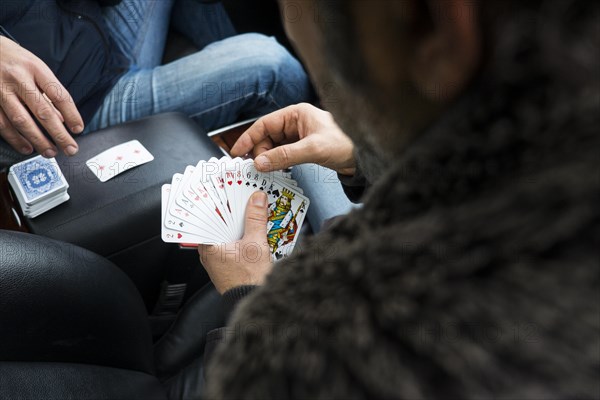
[[287, 210]]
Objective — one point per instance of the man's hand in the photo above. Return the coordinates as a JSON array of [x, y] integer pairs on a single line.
[[27, 86], [247, 261], [294, 135]]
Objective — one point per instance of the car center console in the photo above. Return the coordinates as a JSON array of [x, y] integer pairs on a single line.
[[120, 219]]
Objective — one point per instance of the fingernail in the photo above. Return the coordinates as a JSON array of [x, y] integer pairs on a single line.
[[49, 153], [261, 162], [71, 150], [26, 150], [77, 129], [259, 199]]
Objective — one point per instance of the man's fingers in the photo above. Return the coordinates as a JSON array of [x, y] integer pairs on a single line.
[[286, 156], [20, 119], [256, 218], [45, 112], [60, 98], [277, 126], [12, 137], [263, 146]]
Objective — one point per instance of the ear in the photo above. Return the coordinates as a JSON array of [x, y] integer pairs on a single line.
[[448, 55]]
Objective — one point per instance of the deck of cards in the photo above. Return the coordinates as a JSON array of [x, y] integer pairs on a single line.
[[207, 204], [38, 184]]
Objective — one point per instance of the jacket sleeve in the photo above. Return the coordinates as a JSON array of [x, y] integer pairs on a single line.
[[230, 300], [4, 32], [354, 186]]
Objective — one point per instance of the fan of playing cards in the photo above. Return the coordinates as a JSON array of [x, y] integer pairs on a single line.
[[38, 184], [207, 204]]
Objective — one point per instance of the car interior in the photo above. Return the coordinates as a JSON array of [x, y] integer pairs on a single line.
[[141, 323]]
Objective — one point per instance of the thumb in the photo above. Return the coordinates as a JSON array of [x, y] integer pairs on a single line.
[[256, 217], [285, 156]]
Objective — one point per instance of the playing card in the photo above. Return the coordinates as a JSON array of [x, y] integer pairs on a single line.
[[287, 210], [202, 193], [168, 234], [119, 159], [35, 211], [207, 204], [37, 179], [201, 216]]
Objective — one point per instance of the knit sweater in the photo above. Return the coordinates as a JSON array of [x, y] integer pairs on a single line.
[[471, 271]]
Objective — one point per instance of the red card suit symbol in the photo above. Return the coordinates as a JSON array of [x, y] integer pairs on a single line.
[[197, 198], [119, 158], [229, 183], [136, 151], [239, 182], [179, 236]]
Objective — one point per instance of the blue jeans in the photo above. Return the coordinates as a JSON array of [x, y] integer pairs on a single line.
[[327, 198], [231, 77]]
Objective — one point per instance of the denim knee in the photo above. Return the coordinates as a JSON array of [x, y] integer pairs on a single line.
[[277, 69]]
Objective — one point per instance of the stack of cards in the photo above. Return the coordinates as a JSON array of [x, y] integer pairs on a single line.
[[207, 204], [38, 184]]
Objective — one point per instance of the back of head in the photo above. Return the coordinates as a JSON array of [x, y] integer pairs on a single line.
[[472, 270]]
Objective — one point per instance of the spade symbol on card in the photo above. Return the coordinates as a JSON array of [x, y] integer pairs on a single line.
[[275, 193], [247, 183], [181, 224], [255, 186]]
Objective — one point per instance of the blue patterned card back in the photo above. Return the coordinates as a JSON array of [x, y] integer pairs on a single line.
[[37, 177]]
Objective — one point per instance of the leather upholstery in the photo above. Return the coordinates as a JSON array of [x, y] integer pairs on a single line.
[[75, 381], [61, 303], [116, 215], [73, 326], [185, 340]]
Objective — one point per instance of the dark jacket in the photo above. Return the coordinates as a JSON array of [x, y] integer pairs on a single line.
[[472, 269], [72, 39]]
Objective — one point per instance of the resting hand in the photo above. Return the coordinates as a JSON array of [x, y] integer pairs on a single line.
[[247, 261], [24, 80], [294, 135]]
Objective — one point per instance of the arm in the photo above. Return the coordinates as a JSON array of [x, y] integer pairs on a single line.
[[236, 273], [29, 88]]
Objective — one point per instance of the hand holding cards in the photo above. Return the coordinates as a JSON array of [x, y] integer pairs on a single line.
[[207, 203], [38, 184]]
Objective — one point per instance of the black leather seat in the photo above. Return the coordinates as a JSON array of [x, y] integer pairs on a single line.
[[74, 326]]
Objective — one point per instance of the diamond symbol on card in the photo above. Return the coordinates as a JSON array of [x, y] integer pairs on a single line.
[[179, 236]]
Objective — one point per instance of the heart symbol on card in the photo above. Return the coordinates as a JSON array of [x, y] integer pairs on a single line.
[[205, 195], [179, 236], [239, 182], [229, 182], [197, 198]]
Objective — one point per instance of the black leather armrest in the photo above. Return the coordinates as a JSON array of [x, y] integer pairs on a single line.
[[61, 303], [116, 215]]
